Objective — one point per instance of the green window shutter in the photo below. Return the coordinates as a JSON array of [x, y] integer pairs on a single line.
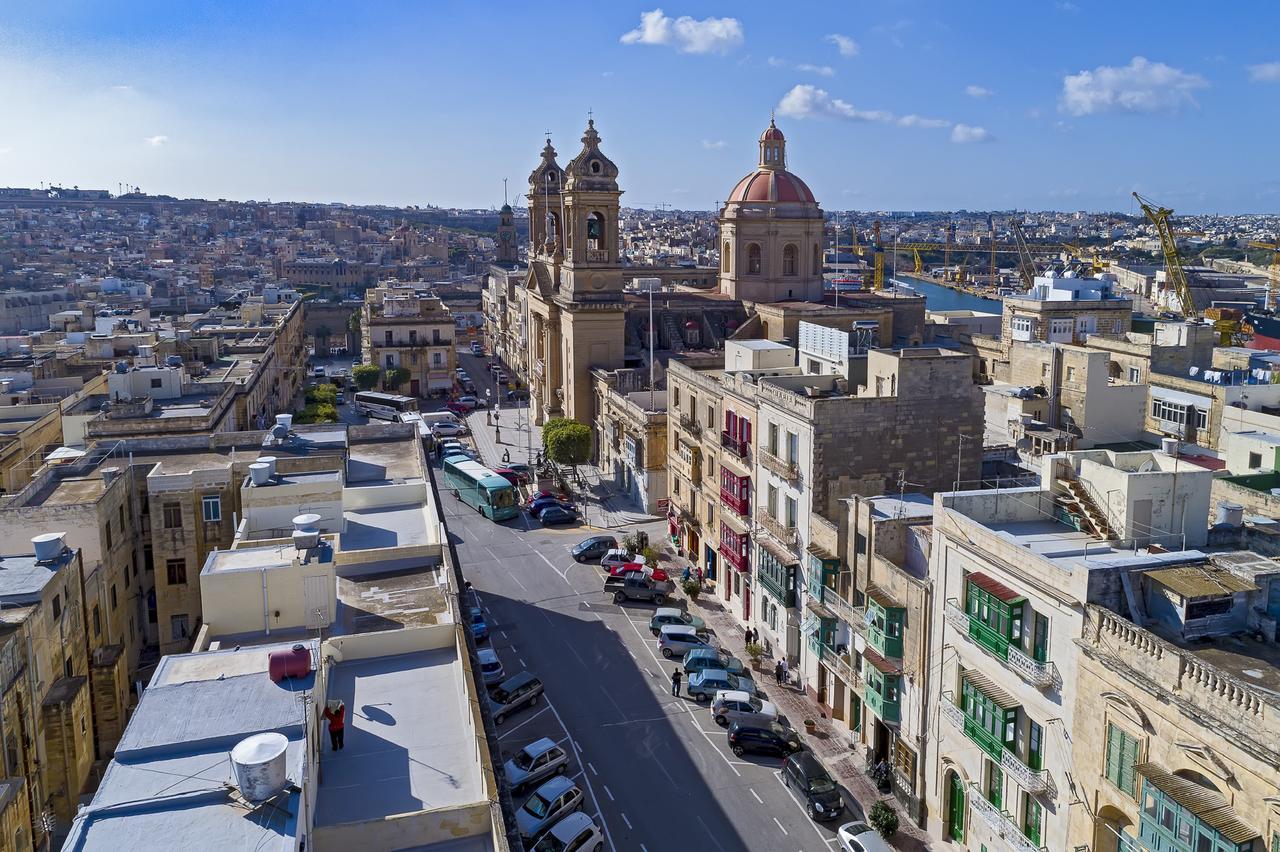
[[1128, 757], [1113, 754]]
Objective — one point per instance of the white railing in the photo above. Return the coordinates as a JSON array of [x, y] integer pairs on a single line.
[[1032, 781], [957, 618], [1033, 671], [953, 713], [999, 822]]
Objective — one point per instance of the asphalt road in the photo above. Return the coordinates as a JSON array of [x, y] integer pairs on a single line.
[[656, 769]]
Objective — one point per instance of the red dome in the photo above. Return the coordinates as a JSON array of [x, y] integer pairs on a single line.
[[772, 133], [772, 185]]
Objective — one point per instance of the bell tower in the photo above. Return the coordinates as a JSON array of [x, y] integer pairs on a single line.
[[546, 183], [592, 269], [508, 250]]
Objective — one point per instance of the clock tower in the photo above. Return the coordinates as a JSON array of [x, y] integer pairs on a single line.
[[508, 249]]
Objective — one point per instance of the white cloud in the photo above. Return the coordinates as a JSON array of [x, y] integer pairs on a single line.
[[156, 141], [686, 34], [847, 46], [978, 92], [1267, 72], [1140, 86], [713, 144], [963, 134], [820, 70], [775, 62], [806, 101], [5, 150], [921, 121]]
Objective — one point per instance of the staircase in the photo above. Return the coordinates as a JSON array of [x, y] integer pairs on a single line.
[[1078, 502], [674, 332]]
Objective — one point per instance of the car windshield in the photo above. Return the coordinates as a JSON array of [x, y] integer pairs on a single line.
[[492, 666], [537, 806], [524, 760], [821, 784], [754, 704]]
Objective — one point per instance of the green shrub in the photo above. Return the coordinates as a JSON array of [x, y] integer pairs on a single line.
[[884, 819], [365, 376]]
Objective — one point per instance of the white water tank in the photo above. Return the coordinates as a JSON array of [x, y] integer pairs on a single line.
[[259, 473], [270, 462], [1231, 514], [305, 533], [285, 420], [48, 546], [258, 763], [306, 522], [1169, 446]]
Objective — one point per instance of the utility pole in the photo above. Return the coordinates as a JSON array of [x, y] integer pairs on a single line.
[[651, 349]]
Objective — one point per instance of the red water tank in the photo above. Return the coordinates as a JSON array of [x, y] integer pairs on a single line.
[[295, 662]]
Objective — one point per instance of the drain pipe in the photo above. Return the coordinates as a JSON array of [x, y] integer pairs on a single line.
[[266, 618]]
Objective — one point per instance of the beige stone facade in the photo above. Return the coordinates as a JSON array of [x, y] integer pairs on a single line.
[[404, 327], [631, 438]]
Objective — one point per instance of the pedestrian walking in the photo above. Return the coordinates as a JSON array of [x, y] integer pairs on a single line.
[[778, 671], [506, 457], [675, 682], [336, 712], [747, 637], [785, 672]]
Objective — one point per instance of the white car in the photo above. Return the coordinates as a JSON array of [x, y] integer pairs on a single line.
[[617, 557], [575, 833], [445, 429], [860, 837], [734, 705]]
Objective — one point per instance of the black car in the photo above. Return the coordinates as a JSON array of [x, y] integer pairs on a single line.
[[593, 549], [764, 739], [557, 515], [803, 773]]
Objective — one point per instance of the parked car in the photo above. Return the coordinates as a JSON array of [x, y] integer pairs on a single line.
[[458, 407], [860, 837], [803, 773], [575, 833], [712, 658], [676, 640], [476, 348], [514, 693], [705, 684], [499, 376], [516, 394], [490, 666], [553, 515], [616, 557], [479, 627], [445, 429], [521, 468], [473, 401], [637, 588], [673, 615], [639, 569], [509, 475], [734, 705], [555, 798], [538, 760], [319, 372], [591, 549], [543, 502], [538, 495], [341, 398], [773, 738]]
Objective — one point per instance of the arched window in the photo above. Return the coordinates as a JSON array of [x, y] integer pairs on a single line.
[[790, 260], [595, 231], [724, 258], [753, 259]]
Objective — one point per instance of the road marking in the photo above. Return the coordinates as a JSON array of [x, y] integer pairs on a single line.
[[521, 662], [778, 775], [627, 821], [593, 769], [643, 848], [504, 633], [518, 583], [522, 724], [715, 748], [563, 575], [780, 828], [607, 793], [757, 795], [590, 789]]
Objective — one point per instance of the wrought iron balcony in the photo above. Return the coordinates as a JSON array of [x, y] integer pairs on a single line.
[[690, 424], [1031, 670], [1033, 781], [736, 446], [999, 821], [783, 533], [786, 470], [735, 502]]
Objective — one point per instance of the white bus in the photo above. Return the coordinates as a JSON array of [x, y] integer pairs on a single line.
[[384, 406]]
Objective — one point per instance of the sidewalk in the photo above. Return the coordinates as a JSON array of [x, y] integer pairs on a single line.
[[832, 742]]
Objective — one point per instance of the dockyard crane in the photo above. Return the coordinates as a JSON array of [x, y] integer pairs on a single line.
[[1026, 264], [1273, 292], [1159, 217]]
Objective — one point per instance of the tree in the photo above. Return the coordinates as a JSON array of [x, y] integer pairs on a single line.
[[365, 376], [552, 425], [395, 377], [569, 443], [323, 393], [884, 819]]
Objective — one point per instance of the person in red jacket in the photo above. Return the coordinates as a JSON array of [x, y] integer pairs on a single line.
[[336, 713]]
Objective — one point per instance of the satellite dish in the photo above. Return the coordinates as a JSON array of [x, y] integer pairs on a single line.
[[1147, 466]]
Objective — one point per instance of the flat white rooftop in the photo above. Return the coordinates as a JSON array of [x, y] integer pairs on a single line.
[[389, 526], [408, 746]]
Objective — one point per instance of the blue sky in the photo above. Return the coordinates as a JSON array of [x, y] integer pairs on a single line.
[[886, 105]]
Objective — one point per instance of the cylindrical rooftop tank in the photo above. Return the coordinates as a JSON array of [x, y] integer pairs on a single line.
[[47, 546], [259, 473], [259, 765], [270, 462], [1231, 514]]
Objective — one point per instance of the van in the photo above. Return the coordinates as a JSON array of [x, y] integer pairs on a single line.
[[514, 693], [676, 640]]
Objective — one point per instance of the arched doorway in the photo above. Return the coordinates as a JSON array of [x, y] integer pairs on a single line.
[[1110, 824], [955, 806]]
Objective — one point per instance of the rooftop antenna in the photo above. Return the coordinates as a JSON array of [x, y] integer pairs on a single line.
[[504, 192]]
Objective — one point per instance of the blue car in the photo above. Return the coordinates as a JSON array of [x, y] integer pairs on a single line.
[[557, 515], [543, 502], [479, 627]]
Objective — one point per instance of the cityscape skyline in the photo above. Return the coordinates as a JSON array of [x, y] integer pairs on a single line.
[[912, 107]]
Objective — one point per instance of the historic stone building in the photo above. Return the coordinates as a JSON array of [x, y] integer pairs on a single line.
[[771, 232], [508, 247]]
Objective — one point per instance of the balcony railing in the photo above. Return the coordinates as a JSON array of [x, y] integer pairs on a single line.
[[734, 557], [1031, 670], [999, 821], [845, 611], [841, 664], [690, 425], [735, 502], [785, 469], [783, 533], [1033, 781], [736, 446]]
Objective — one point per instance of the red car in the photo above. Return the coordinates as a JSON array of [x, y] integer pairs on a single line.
[[538, 495], [512, 476], [457, 407], [658, 574]]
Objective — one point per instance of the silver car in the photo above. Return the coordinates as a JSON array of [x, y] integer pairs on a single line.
[[552, 800], [676, 640], [734, 705], [538, 760], [490, 666]]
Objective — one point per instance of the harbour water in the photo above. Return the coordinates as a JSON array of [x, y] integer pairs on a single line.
[[939, 298]]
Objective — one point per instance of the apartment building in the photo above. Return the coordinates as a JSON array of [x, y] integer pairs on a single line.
[[46, 711], [631, 437], [1012, 572], [402, 326]]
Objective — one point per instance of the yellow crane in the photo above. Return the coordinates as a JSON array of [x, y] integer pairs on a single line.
[[1159, 217], [1273, 293]]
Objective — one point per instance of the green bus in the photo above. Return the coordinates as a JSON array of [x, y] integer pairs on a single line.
[[478, 487]]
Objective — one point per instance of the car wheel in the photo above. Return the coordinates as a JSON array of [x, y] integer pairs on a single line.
[[560, 769], [666, 653], [655, 633], [533, 701], [702, 696], [599, 847], [498, 719], [738, 750], [660, 600], [721, 721]]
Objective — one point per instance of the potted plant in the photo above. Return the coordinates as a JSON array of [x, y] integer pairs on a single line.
[[692, 588], [810, 726], [755, 651], [884, 819]]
